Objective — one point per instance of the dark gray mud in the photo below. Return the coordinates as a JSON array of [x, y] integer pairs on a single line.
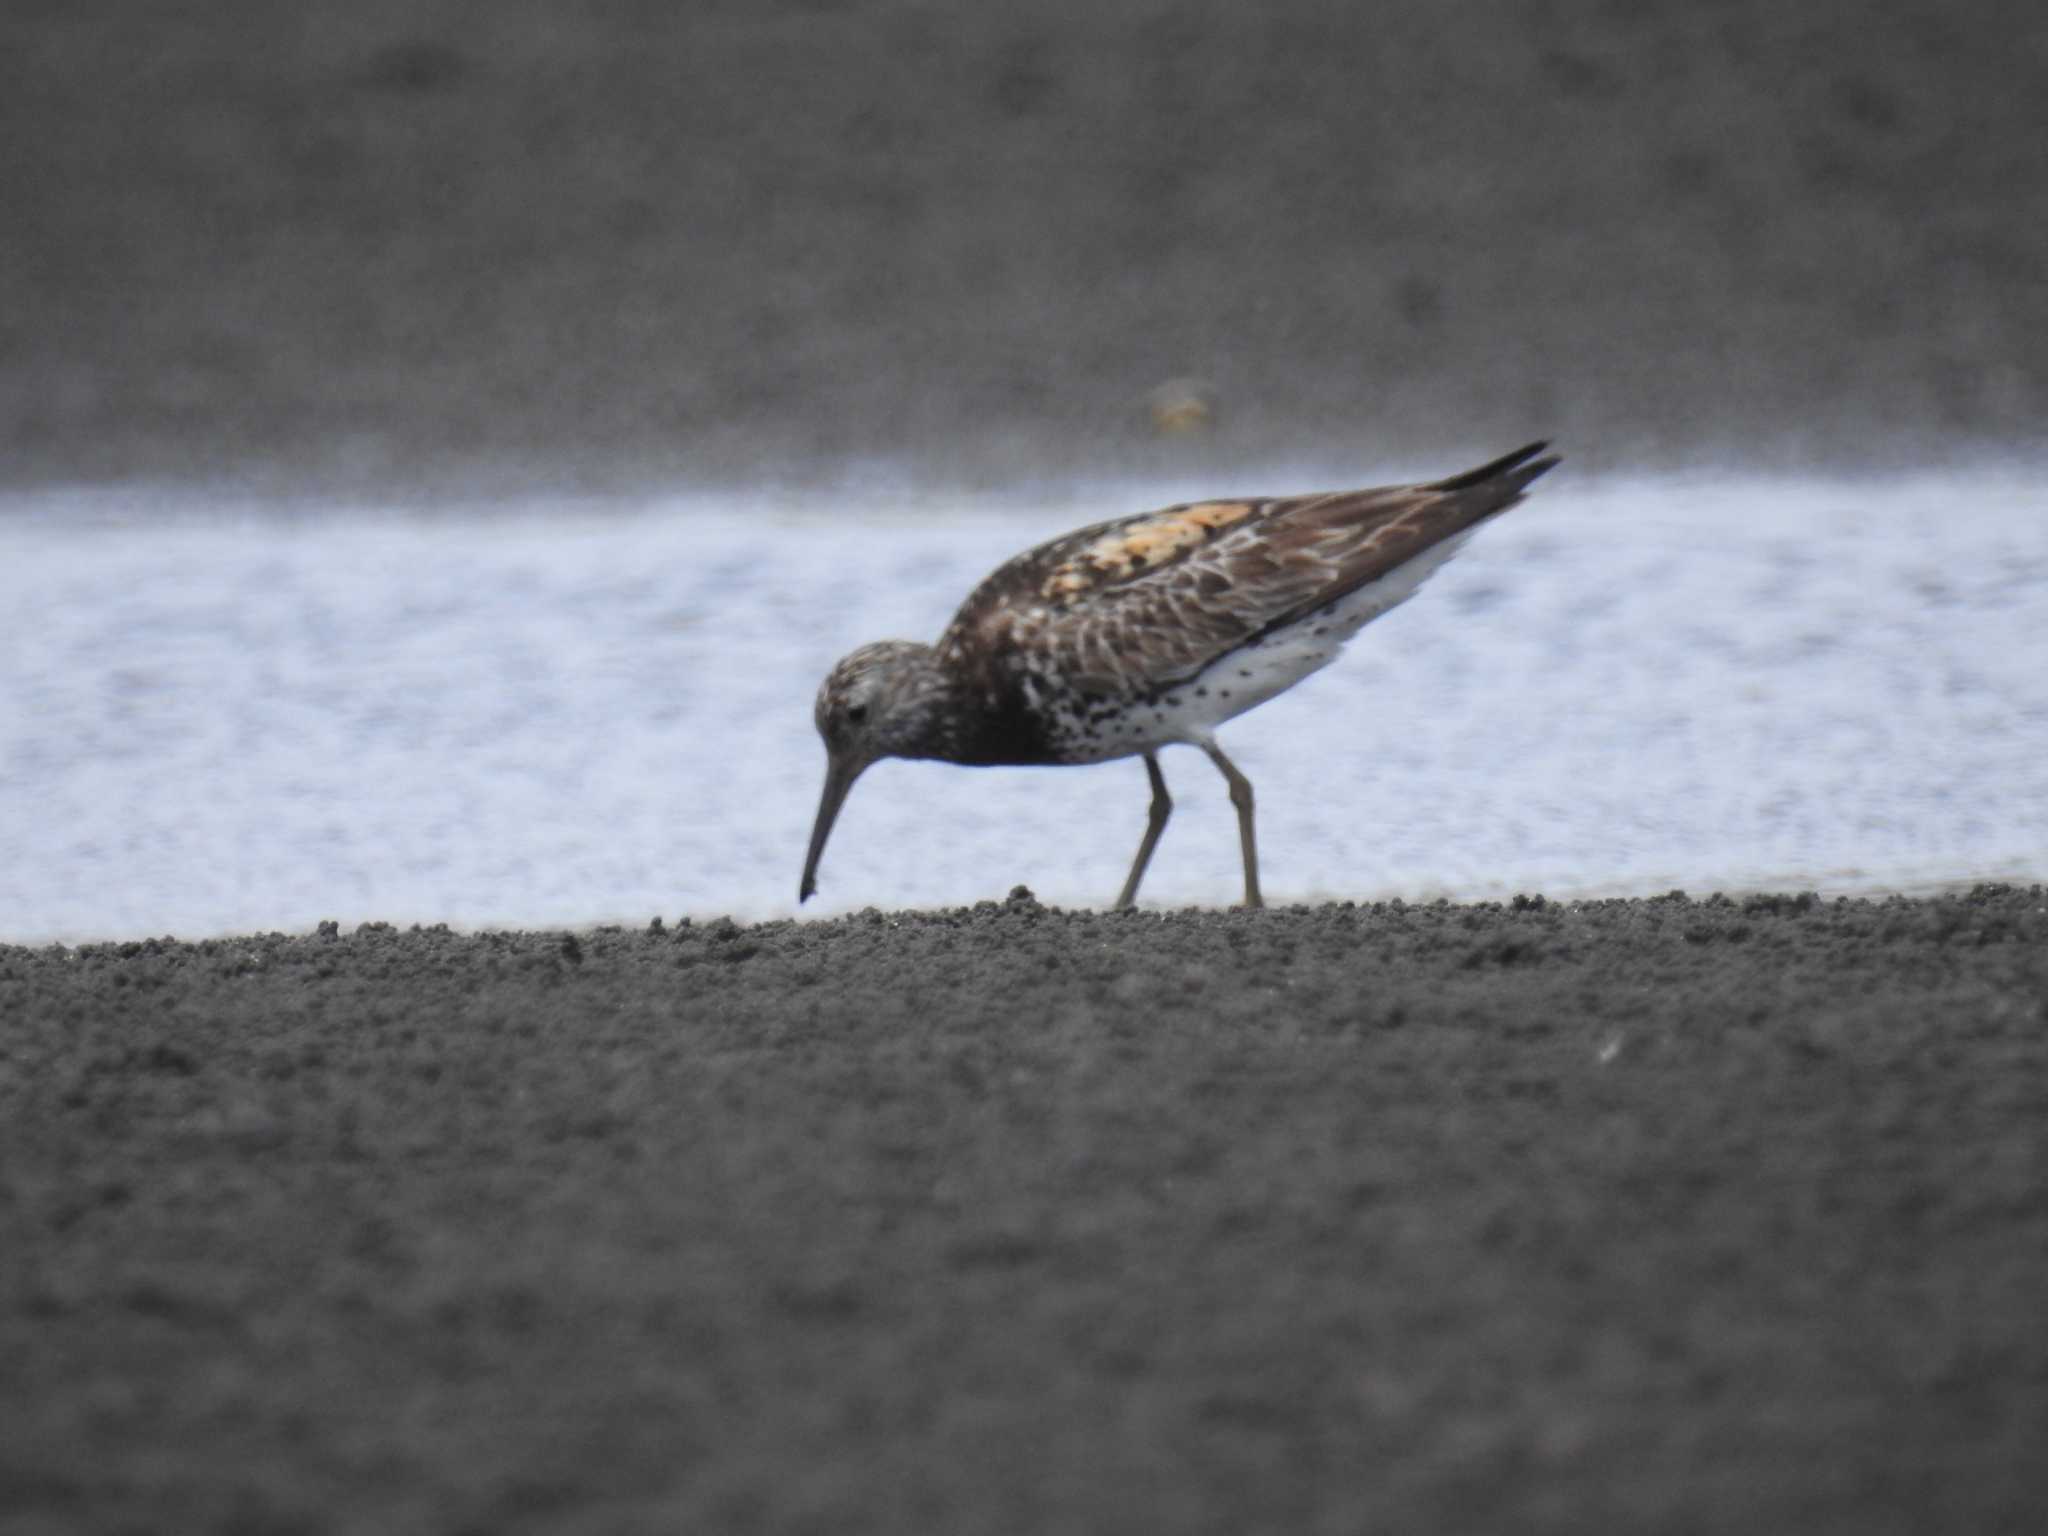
[[1629, 1215]]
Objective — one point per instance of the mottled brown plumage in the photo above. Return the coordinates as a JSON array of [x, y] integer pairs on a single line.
[[1123, 637]]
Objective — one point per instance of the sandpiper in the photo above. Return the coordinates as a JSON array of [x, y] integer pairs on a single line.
[[1133, 635]]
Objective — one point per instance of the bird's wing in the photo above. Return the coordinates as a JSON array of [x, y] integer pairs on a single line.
[[1153, 599]]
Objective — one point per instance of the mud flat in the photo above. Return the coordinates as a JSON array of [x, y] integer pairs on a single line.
[[1722, 1215]]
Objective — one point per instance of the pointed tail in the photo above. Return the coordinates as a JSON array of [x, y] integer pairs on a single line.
[[1514, 468]]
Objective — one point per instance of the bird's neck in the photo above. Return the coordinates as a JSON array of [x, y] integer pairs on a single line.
[[956, 714], [928, 714]]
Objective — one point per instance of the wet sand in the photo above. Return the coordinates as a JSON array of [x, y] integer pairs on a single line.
[[1671, 1214]]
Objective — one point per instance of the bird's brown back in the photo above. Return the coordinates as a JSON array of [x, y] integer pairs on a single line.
[[1173, 590]]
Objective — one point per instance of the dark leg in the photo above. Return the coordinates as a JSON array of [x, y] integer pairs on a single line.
[[1241, 797], [1155, 823]]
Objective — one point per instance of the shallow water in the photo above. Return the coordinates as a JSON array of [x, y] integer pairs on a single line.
[[221, 720]]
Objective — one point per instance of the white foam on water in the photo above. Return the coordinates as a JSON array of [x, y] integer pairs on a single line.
[[218, 722]]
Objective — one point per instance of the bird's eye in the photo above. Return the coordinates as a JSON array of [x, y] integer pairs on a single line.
[[856, 713]]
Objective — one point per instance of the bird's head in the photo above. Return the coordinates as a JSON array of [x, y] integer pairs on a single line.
[[883, 700]]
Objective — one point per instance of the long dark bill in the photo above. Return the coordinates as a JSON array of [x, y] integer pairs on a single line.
[[839, 776]]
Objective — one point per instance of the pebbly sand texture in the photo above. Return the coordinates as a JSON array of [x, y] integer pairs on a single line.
[[1668, 1214]]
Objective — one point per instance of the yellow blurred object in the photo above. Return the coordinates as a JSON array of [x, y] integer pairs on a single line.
[[1180, 407]]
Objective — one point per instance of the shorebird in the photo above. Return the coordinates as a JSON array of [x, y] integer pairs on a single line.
[[1133, 635]]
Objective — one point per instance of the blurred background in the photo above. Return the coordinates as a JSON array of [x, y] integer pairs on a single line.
[[442, 439], [423, 245]]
